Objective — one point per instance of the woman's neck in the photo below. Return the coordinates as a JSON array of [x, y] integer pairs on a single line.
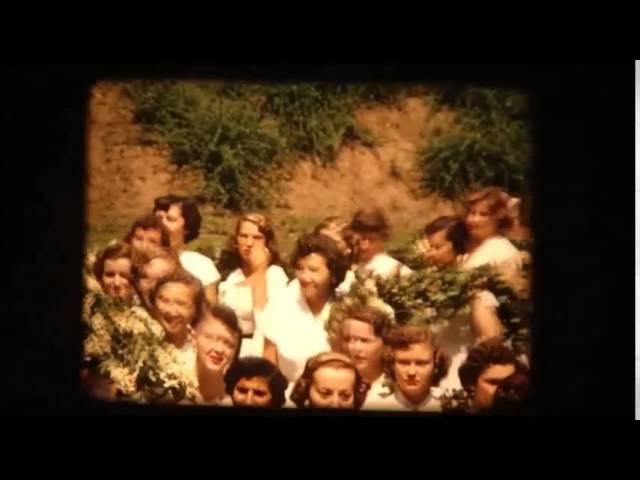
[[211, 384], [177, 244], [317, 304]]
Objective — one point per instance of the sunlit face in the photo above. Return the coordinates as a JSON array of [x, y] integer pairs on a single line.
[[413, 369], [252, 392], [363, 346], [314, 276], [116, 276], [488, 382], [441, 252], [332, 387], [175, 223], [215, 343], [142, 238], [175, 304], [152, 272], [369, 245], [480, 222], [248, 238]]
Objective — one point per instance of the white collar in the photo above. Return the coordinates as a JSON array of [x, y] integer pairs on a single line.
[[406, 403]]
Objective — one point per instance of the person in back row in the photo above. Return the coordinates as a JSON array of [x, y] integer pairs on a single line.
[[256, 277], [372, 230], [182, 219]]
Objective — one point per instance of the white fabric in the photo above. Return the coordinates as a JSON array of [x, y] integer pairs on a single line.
[[378, 395], [240, 299], [296, 332], [498, 251], [200, 266], [385, 266], [452, 379], [398, 401]]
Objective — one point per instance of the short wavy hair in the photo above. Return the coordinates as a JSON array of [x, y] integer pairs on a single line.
[[252, 367], [300, 393], [498, 202], [402, 337], [369, 309], [226, 315], [185, 278], [456, 232], [149, 221], [112, 252], [489, 352], [189, 210], [328, 249]]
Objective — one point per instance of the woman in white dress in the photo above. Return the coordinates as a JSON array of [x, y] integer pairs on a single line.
[[363, 329], [416, 366], [255, 279], [372, 230], [330, 380], [295, 321], [182, 219], [487, 219], [216, 339]]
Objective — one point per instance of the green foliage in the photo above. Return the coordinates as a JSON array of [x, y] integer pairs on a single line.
[[489, 145], [240, 134]]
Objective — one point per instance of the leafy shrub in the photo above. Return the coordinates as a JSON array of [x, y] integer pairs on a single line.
[[489, 145]]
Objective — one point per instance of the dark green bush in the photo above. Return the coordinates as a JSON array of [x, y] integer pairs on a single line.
[[489, 144]]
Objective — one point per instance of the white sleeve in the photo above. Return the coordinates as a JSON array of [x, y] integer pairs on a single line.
[[487, 299], [277, 281]]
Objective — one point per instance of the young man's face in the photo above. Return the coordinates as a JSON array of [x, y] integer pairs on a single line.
[[488, 382]]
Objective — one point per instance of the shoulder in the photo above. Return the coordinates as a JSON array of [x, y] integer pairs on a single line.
[[200, 266], [499, 245], [276, 273]]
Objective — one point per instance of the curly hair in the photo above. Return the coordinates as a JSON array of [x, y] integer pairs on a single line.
[[188, 209], [142, 259], [402, 337], [112, 252], [252, 367], [265, 227], [185, 278], [367, 308], [456, 232], [371, 220], [300, 393], [498, 203], [149, 221], [325, 247], [489, 352]]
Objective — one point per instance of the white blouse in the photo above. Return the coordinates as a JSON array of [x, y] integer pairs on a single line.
[[498, 251], [240, 299], [378, 395], [295, 330], [398, 401], [385, 266], [200, 266]]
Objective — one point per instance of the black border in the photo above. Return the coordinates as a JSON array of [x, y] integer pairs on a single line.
[[582, 186]]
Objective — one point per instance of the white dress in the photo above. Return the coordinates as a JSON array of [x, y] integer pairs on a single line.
[[384, 266], [240, 299], [295, 330], [200, 266]]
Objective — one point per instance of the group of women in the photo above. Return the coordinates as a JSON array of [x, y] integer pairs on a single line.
[[258, 338]]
